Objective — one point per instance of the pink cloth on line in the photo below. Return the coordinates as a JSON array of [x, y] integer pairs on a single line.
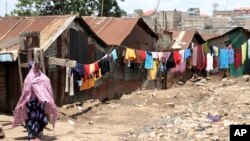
[[166, 55], [194, 56], [179, 68], [36, 85]]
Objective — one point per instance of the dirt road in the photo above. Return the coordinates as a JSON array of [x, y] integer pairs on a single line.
[[180, 113]]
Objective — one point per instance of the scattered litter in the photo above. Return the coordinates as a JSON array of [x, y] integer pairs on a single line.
[[91, 122], [79, 108], [214, 118], [71, 122]]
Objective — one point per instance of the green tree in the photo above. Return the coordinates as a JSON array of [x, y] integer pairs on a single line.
[[55, 7]]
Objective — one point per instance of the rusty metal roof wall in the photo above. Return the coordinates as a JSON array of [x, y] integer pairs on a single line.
[[10, 27], [112, 30], [185, 40], [115, 30]]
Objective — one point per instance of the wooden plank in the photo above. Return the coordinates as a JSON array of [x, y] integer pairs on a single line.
[[20, 70], [24, 65], [42, 61]]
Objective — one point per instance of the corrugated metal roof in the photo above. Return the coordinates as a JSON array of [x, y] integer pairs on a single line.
[[182, 39], [115, 30], [228, 33], [50, 27]]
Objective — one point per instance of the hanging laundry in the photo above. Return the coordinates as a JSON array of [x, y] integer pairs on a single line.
[[248, 49], [152, 72], [160, 55], [78, 72], [211, 49], [166, 55], [181, 52], [71, 85], [201, 63], [244, 52], [238, 58], [97, 74], [129, 64], [69, 82], [139, 58], [187, 54], [155, 55], [162, 67], [130, 54], [149, 63], [231, 56], [216, 62], [87, 84], [179, 68], [205, 48], [143, 54], [170, 62], [67, 79], [114, 54], [223, 56], [177, 57], [194, 56], [104, 65], [210, 61], [216, 51], [87, 70], [92, 68]]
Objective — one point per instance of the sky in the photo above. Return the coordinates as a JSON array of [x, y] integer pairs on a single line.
[[182, 5]]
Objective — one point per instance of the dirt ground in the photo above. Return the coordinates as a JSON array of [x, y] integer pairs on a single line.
[[179, 113]]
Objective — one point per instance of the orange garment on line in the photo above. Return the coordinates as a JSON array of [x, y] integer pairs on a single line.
[[130, 54], [87, 84]]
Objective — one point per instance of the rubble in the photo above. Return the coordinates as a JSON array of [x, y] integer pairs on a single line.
[[245, 78], [1, 132]]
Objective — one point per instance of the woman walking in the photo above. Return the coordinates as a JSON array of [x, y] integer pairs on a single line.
[[35, 103]]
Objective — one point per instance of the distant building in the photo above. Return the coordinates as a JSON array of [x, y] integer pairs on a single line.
[[194, 11], [137, 13], [169, 19], [222, 13], [193, 22], [219, 22], [242, 21], [150, 17], [247, 23], [243, 11]]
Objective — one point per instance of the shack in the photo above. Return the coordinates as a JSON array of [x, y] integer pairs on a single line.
[[237, 38], [122, 33], [66, 37], [183, 40]]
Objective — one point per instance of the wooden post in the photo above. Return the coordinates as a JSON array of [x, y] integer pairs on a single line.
[[20, 71], [42, 61]]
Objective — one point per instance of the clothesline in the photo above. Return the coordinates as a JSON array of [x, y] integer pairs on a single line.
[[64, 62]]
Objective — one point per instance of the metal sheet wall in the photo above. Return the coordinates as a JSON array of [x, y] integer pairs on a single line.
[[3, 90]]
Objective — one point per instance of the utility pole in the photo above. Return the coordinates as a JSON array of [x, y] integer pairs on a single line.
[[156, 15], [6, 7], [102, 8]]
